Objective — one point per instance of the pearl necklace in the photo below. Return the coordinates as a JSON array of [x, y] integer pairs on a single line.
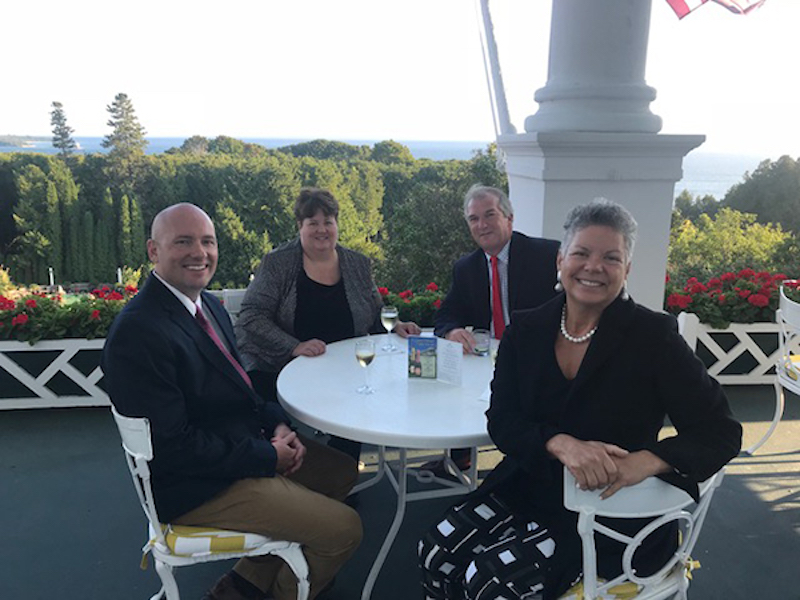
[[571, 338]]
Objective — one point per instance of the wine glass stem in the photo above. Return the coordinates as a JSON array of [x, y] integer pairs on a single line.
[[366, 376]]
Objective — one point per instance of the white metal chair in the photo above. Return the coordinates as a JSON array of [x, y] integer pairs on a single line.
[[650, 498], [787, 369], [232, 300], [177, 546], [687, 327]]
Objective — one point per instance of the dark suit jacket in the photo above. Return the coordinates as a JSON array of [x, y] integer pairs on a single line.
[[531, 277], [636, 371], [209, 428]]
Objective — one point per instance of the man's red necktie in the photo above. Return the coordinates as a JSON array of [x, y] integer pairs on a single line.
[[497, 302], [203, 322]]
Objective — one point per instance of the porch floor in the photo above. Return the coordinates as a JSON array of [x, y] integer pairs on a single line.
[[73, 529]]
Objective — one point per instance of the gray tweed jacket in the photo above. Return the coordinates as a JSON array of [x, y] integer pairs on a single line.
[[265, 328]]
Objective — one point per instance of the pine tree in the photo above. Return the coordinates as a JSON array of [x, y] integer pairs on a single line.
[[126, 143], [62, 133], [124, 232], [138, 237], [53, 231], [87, 242]]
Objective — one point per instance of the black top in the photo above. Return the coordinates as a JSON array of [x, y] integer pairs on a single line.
[[322, 311]]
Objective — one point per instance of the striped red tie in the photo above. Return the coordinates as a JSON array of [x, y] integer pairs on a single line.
[[497, 302], [203, 322]]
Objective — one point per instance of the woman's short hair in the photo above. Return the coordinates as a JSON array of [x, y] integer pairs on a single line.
[[601, 211], [480, 191], [312, 200]]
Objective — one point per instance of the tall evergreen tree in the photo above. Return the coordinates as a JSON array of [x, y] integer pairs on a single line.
[[126, 142], [124, 233], [87, 242], [106, 255], [53, 231], [138, 237], [62, 133]]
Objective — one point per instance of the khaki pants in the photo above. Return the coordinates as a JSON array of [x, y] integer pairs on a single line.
[[305, 507]]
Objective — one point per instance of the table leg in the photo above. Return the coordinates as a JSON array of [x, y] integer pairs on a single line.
[[401, 486], [378, 474]]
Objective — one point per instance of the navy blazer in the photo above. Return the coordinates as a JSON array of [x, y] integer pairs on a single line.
[[636, 371], [531, 278], [209, 427]]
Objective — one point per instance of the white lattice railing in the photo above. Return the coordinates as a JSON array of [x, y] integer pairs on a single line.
[[15, 361], [754, 347]]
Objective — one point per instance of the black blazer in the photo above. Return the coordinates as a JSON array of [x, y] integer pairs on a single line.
[[209, 428], [636, 371], [531, 277]]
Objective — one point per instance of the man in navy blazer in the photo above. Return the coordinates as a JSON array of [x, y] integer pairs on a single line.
[[527, 272], [222, 456]]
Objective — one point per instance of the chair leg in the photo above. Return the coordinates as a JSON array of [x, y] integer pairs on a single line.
[[296, 561], [779, 404], [169, 585]]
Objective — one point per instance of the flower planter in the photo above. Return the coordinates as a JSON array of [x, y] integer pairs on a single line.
[[51, 373], [741, 354]]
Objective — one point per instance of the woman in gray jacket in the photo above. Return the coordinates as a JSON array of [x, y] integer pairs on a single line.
[[306, 294]]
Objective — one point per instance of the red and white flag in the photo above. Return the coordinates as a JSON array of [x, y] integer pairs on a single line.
[[740, 7]]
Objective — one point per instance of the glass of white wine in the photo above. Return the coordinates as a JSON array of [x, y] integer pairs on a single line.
[[389, 316], [365, 353]]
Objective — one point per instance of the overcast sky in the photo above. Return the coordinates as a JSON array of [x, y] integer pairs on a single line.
[[374, 69]]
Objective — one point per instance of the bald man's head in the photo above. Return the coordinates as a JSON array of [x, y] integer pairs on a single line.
[[183, 247]]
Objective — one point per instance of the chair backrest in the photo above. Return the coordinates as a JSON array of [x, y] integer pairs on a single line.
[[788, 319], [650, 498], [138, 445], [233, 302], [688, 324]]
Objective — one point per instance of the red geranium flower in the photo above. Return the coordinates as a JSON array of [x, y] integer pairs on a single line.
[[114, 296], [437, 303], [721, 298], [383, 291], [697, 288], [6, 303], [19, 320], [432, 287], [746, 274], [678, 301], [406, 295], [758, 300], [728, 277], [30, 302], [714, 282], [131, 289], [95, 315], [743, 293]]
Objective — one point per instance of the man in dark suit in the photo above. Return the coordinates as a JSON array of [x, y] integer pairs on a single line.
[[222, 456], [526, 278]]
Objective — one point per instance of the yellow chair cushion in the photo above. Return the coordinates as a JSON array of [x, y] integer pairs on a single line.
[[623, 591], [792, 366], [184, 540]]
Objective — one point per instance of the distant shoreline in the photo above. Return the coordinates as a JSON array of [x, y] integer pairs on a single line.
[[704, 173]]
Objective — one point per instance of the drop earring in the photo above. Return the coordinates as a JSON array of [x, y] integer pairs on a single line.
[[624, 294], [559, 287]]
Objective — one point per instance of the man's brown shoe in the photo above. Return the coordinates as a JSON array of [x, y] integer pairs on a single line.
[[233, 586]]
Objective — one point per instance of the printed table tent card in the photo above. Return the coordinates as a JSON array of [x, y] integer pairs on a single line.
[[435, 358]]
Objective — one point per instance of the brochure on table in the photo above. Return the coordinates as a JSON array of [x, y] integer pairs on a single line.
[[435, 358]]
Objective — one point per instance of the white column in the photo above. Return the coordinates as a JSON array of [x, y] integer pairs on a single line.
[[595, 82], [594, 135], [551, 172]]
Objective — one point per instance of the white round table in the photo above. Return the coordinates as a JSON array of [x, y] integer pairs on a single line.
[[403, 413]]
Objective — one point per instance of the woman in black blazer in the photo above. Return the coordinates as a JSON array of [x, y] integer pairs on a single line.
[[584, 381]]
